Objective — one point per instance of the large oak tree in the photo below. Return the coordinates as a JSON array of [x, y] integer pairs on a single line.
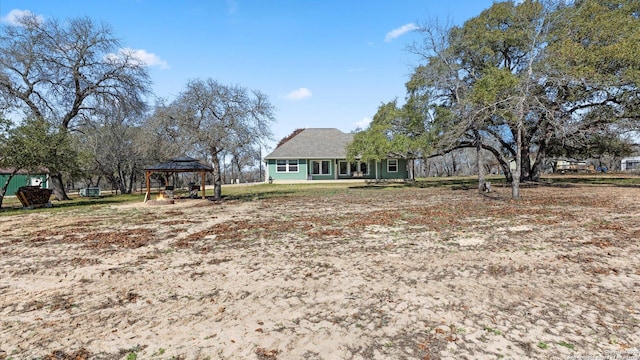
[[216, 119], [530, 80], [64, 71]]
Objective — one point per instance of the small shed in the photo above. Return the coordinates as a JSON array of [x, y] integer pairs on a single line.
[[630, 163], [177, 165]]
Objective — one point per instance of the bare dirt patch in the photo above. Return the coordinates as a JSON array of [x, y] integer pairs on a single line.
[[372, 273]]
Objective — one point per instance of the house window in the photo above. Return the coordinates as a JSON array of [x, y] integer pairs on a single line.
[[343, 167], [286, 166], [364, 168], [392, 165], [320, 167], [293, 165], [359, 168]]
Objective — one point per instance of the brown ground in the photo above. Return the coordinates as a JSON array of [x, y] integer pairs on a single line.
[[367, 273]]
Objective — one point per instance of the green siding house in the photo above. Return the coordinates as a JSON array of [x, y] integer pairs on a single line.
[[20, 179], [321, 154]]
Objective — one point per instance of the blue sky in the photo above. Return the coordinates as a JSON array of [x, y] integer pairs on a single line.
[[323, 63]]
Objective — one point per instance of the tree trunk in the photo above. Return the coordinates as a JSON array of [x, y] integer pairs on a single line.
[[508, 176], [59, 192], [413, 169], [454, 165], [113, 181], [5, 186], [482, 183], [515, 183], [223, 169], [239, 168], [525, 173], [536, 169], [217, 174], [132, 180], [479, 161], [122, 184], [439, 171], [538, 166]]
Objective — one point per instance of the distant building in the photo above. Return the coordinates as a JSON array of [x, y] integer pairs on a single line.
[[630, 163], [563, 166]]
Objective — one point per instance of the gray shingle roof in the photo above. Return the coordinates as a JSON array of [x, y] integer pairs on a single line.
[[316, 143]]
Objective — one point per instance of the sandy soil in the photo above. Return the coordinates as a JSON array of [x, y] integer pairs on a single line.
[[368, 273]]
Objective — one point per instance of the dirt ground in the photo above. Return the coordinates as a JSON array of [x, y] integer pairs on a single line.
[[361, 273]]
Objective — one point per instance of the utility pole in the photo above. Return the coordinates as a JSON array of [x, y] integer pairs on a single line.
[[260, 161]]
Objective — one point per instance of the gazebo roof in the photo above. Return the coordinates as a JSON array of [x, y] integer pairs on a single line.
[[180, 164]]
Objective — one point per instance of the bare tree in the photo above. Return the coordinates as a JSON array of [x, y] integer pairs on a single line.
[[64, 71], [113, 147], [161, 138], [220, 118], [244, 157]]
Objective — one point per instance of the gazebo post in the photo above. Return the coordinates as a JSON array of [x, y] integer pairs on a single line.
[[147, 176]]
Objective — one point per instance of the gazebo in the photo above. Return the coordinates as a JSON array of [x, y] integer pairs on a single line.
[[177, 165]]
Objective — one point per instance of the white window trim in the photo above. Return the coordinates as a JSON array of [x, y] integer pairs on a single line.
[[397, 165], [320, 161], [287, 165]]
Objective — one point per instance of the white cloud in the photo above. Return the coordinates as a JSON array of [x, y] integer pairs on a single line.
[[139, 56], [150, 59], [299, 94], [395, 33], [13, 17], [364, 123]]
